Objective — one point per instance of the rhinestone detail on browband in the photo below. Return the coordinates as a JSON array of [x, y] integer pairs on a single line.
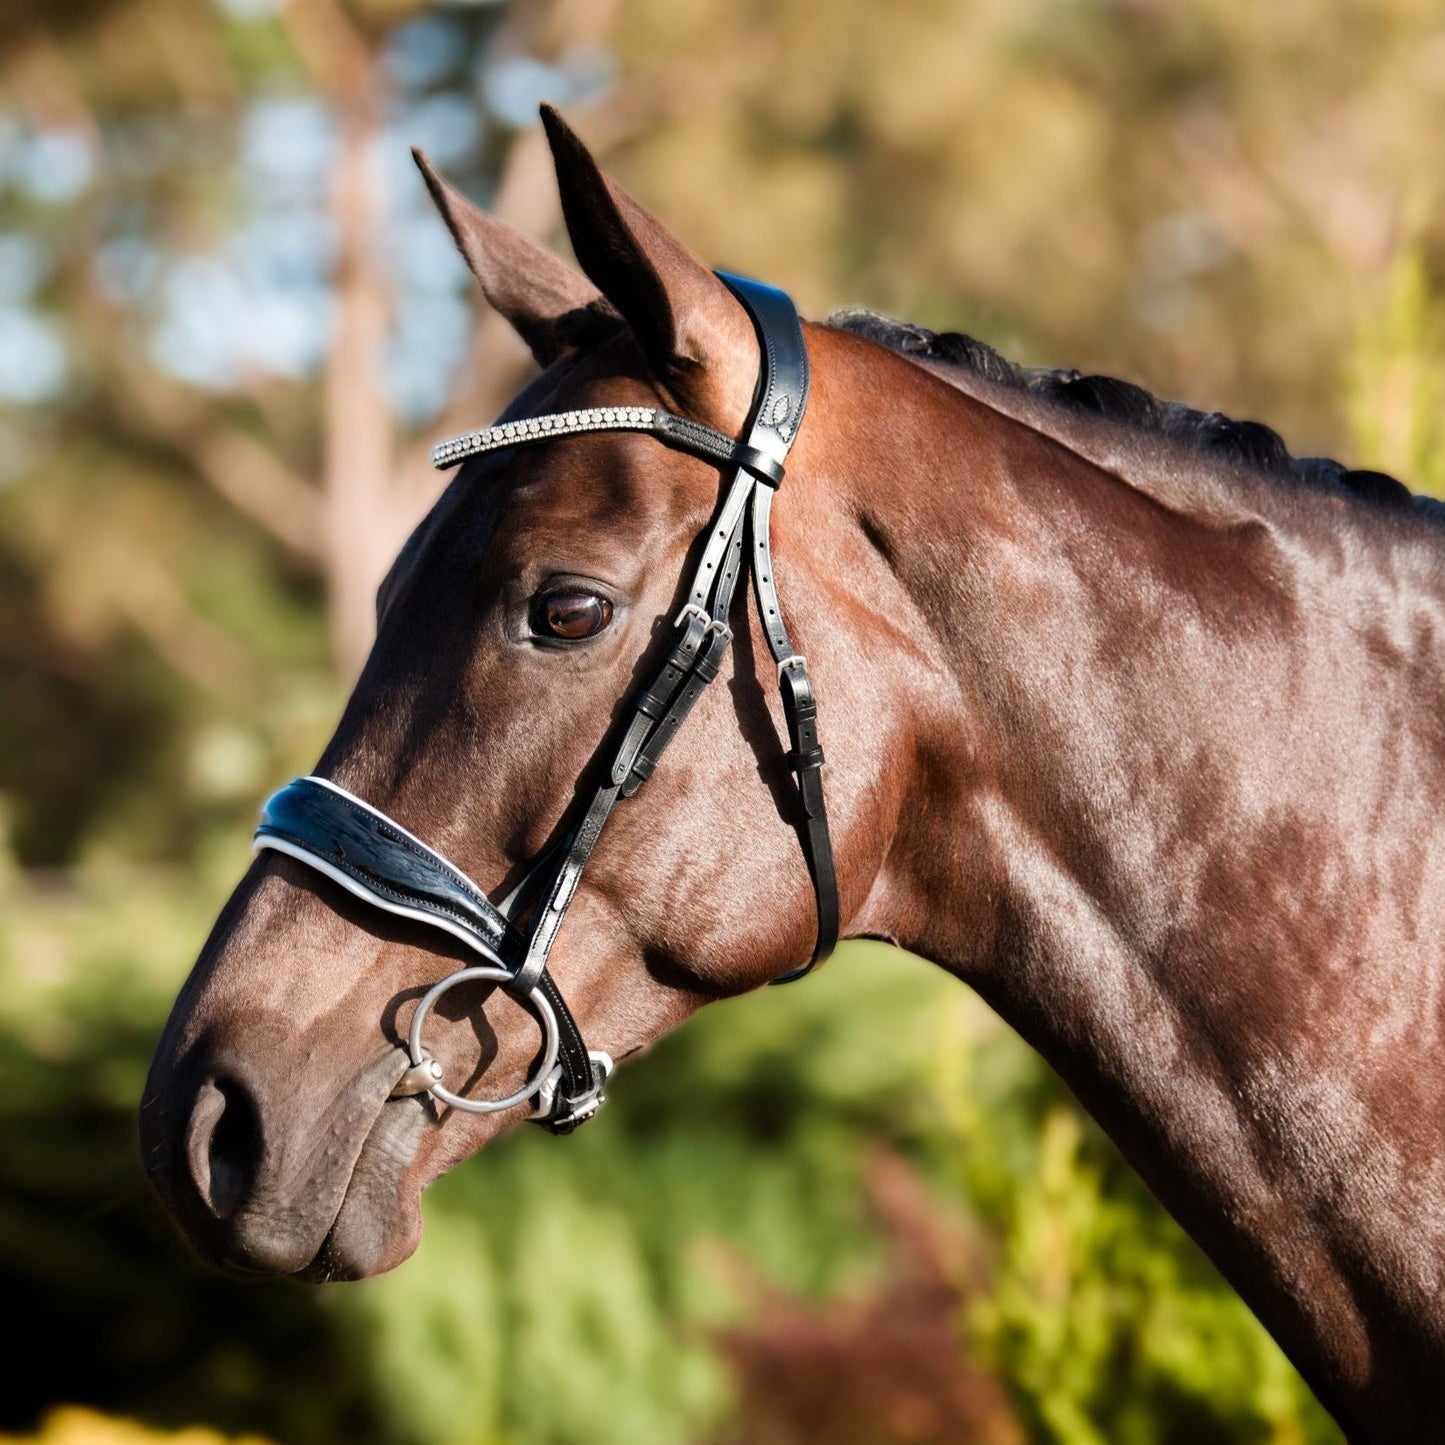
[[560, 423]]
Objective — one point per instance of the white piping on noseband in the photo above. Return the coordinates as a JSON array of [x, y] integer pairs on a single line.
[[425, 1073]]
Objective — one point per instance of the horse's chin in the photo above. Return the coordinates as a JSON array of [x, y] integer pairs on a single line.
[[379, 1222]]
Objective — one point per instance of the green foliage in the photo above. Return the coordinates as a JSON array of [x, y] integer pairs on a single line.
[[1396, 377], [117, 1313], [569, 1293], [1205, 197], [1111, 1325]]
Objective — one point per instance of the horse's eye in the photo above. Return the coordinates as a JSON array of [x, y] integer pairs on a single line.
[[573, 615]]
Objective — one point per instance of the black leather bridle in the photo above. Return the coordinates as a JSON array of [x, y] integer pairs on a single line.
[[330, 830]]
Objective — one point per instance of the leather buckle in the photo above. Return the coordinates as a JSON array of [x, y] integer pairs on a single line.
[[576, 1111], [691, 609]]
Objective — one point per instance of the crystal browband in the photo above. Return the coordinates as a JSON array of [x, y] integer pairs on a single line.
[[676, 431]]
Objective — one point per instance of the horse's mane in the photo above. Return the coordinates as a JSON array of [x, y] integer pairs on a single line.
[[1205, 434]]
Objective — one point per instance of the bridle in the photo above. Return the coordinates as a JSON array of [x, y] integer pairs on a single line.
[[323, 826], [330, 830]]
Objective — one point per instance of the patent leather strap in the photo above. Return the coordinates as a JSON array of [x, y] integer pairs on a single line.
[[380, 861], [327, 828], [319, 823]]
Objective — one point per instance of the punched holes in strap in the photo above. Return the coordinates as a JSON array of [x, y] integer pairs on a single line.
[[718, 569], [559, 897], [704, 671], [653, 701]]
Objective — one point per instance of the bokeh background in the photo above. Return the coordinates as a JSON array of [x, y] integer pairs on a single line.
[[857, 1210]]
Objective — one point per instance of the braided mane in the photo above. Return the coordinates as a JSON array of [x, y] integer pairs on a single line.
[[1248, 444]]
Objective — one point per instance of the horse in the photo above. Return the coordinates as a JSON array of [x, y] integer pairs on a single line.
[[1134, 723]]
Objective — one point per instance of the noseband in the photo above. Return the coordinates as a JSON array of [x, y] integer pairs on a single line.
[[339, 835]]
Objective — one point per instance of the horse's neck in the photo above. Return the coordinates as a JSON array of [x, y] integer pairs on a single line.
[[1192, 852]]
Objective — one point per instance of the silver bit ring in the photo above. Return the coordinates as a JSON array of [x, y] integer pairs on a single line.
[[420, 1059]]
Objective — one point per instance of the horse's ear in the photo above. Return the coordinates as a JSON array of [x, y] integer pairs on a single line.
[[530, 286], [695, 336]]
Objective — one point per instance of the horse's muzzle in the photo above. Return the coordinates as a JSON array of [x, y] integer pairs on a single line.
[[254, 1177]]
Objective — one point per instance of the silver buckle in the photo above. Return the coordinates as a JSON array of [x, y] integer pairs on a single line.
[[583, 1108], [796, 660], [692, 610]]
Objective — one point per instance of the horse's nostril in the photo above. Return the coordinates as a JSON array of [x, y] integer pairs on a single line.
[[223, 1139]]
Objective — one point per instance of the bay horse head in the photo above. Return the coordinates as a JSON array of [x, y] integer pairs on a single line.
[[541, 638], [1132, 722]]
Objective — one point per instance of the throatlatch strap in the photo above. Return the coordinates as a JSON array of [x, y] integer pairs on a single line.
[[779, 413]]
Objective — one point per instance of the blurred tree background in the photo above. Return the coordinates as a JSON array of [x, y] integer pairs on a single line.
[[229, 326]]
